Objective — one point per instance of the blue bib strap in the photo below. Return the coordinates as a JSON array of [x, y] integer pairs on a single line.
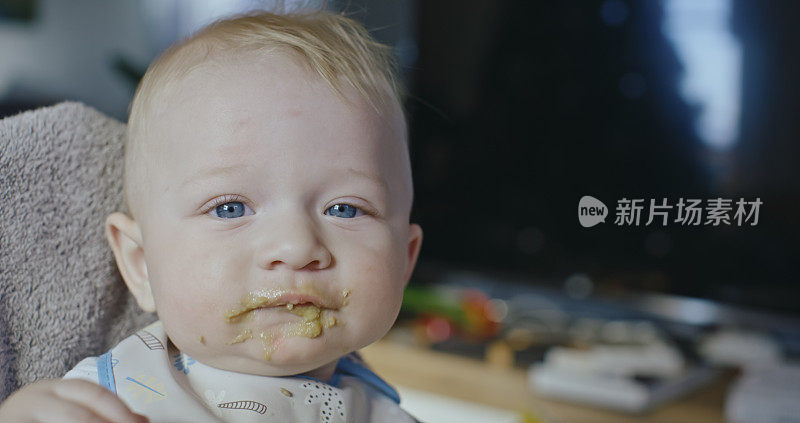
[[105, 373], [348, 367]]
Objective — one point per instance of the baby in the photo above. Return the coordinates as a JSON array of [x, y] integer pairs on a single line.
[[268, 182]]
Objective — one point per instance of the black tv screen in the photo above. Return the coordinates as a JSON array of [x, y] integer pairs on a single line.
[[520, 109]]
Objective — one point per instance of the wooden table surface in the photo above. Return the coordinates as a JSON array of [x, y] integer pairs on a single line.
[[475, 381]]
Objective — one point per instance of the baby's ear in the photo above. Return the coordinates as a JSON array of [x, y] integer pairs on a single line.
[[125, 238], [414, 245]]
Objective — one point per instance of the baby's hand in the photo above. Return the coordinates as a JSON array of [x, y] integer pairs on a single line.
[[70, 400]]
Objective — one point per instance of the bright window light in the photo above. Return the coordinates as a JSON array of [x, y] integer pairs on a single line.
[[712, 61]]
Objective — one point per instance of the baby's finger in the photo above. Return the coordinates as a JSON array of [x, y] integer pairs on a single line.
[[99, 400], [65, 411]]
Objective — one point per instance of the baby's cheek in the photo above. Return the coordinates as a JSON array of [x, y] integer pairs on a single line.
[[377, 300], [375, 319], [193, 303], [188, 290], [191, 320]]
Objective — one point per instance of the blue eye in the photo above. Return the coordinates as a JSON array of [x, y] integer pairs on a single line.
[[344, 210], [230, 210]]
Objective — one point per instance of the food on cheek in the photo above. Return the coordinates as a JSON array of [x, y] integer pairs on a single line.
[[244, 335], [267, 340], [314, 320]]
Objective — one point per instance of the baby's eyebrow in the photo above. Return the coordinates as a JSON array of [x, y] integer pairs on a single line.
[[224, 170], [227, 170], [374, 178]]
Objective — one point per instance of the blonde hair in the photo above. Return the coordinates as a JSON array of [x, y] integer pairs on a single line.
[[336, 48]]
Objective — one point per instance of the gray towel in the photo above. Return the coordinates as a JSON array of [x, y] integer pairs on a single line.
[[61, 296]]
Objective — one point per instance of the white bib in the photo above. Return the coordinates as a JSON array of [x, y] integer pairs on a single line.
[[155, 379]]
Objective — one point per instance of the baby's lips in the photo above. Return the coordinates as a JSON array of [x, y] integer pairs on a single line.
[[295, 299], [298, 298], [280, 298]]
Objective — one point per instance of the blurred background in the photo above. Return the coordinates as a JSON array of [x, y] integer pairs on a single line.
[[517, 110]]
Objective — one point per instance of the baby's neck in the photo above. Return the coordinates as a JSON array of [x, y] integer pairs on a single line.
[[323, 373]]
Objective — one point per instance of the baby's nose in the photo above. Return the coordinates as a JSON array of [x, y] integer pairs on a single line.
[[292, 242]]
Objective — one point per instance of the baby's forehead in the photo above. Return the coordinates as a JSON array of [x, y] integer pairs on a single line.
[[282, 80], [226, 110]]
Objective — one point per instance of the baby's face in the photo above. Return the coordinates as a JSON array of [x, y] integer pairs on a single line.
[[276, 223]]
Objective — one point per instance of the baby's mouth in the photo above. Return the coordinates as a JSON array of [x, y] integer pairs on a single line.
[[313, 308], [275, 298]]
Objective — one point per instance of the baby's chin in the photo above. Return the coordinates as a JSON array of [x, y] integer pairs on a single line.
[[283, 356]]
